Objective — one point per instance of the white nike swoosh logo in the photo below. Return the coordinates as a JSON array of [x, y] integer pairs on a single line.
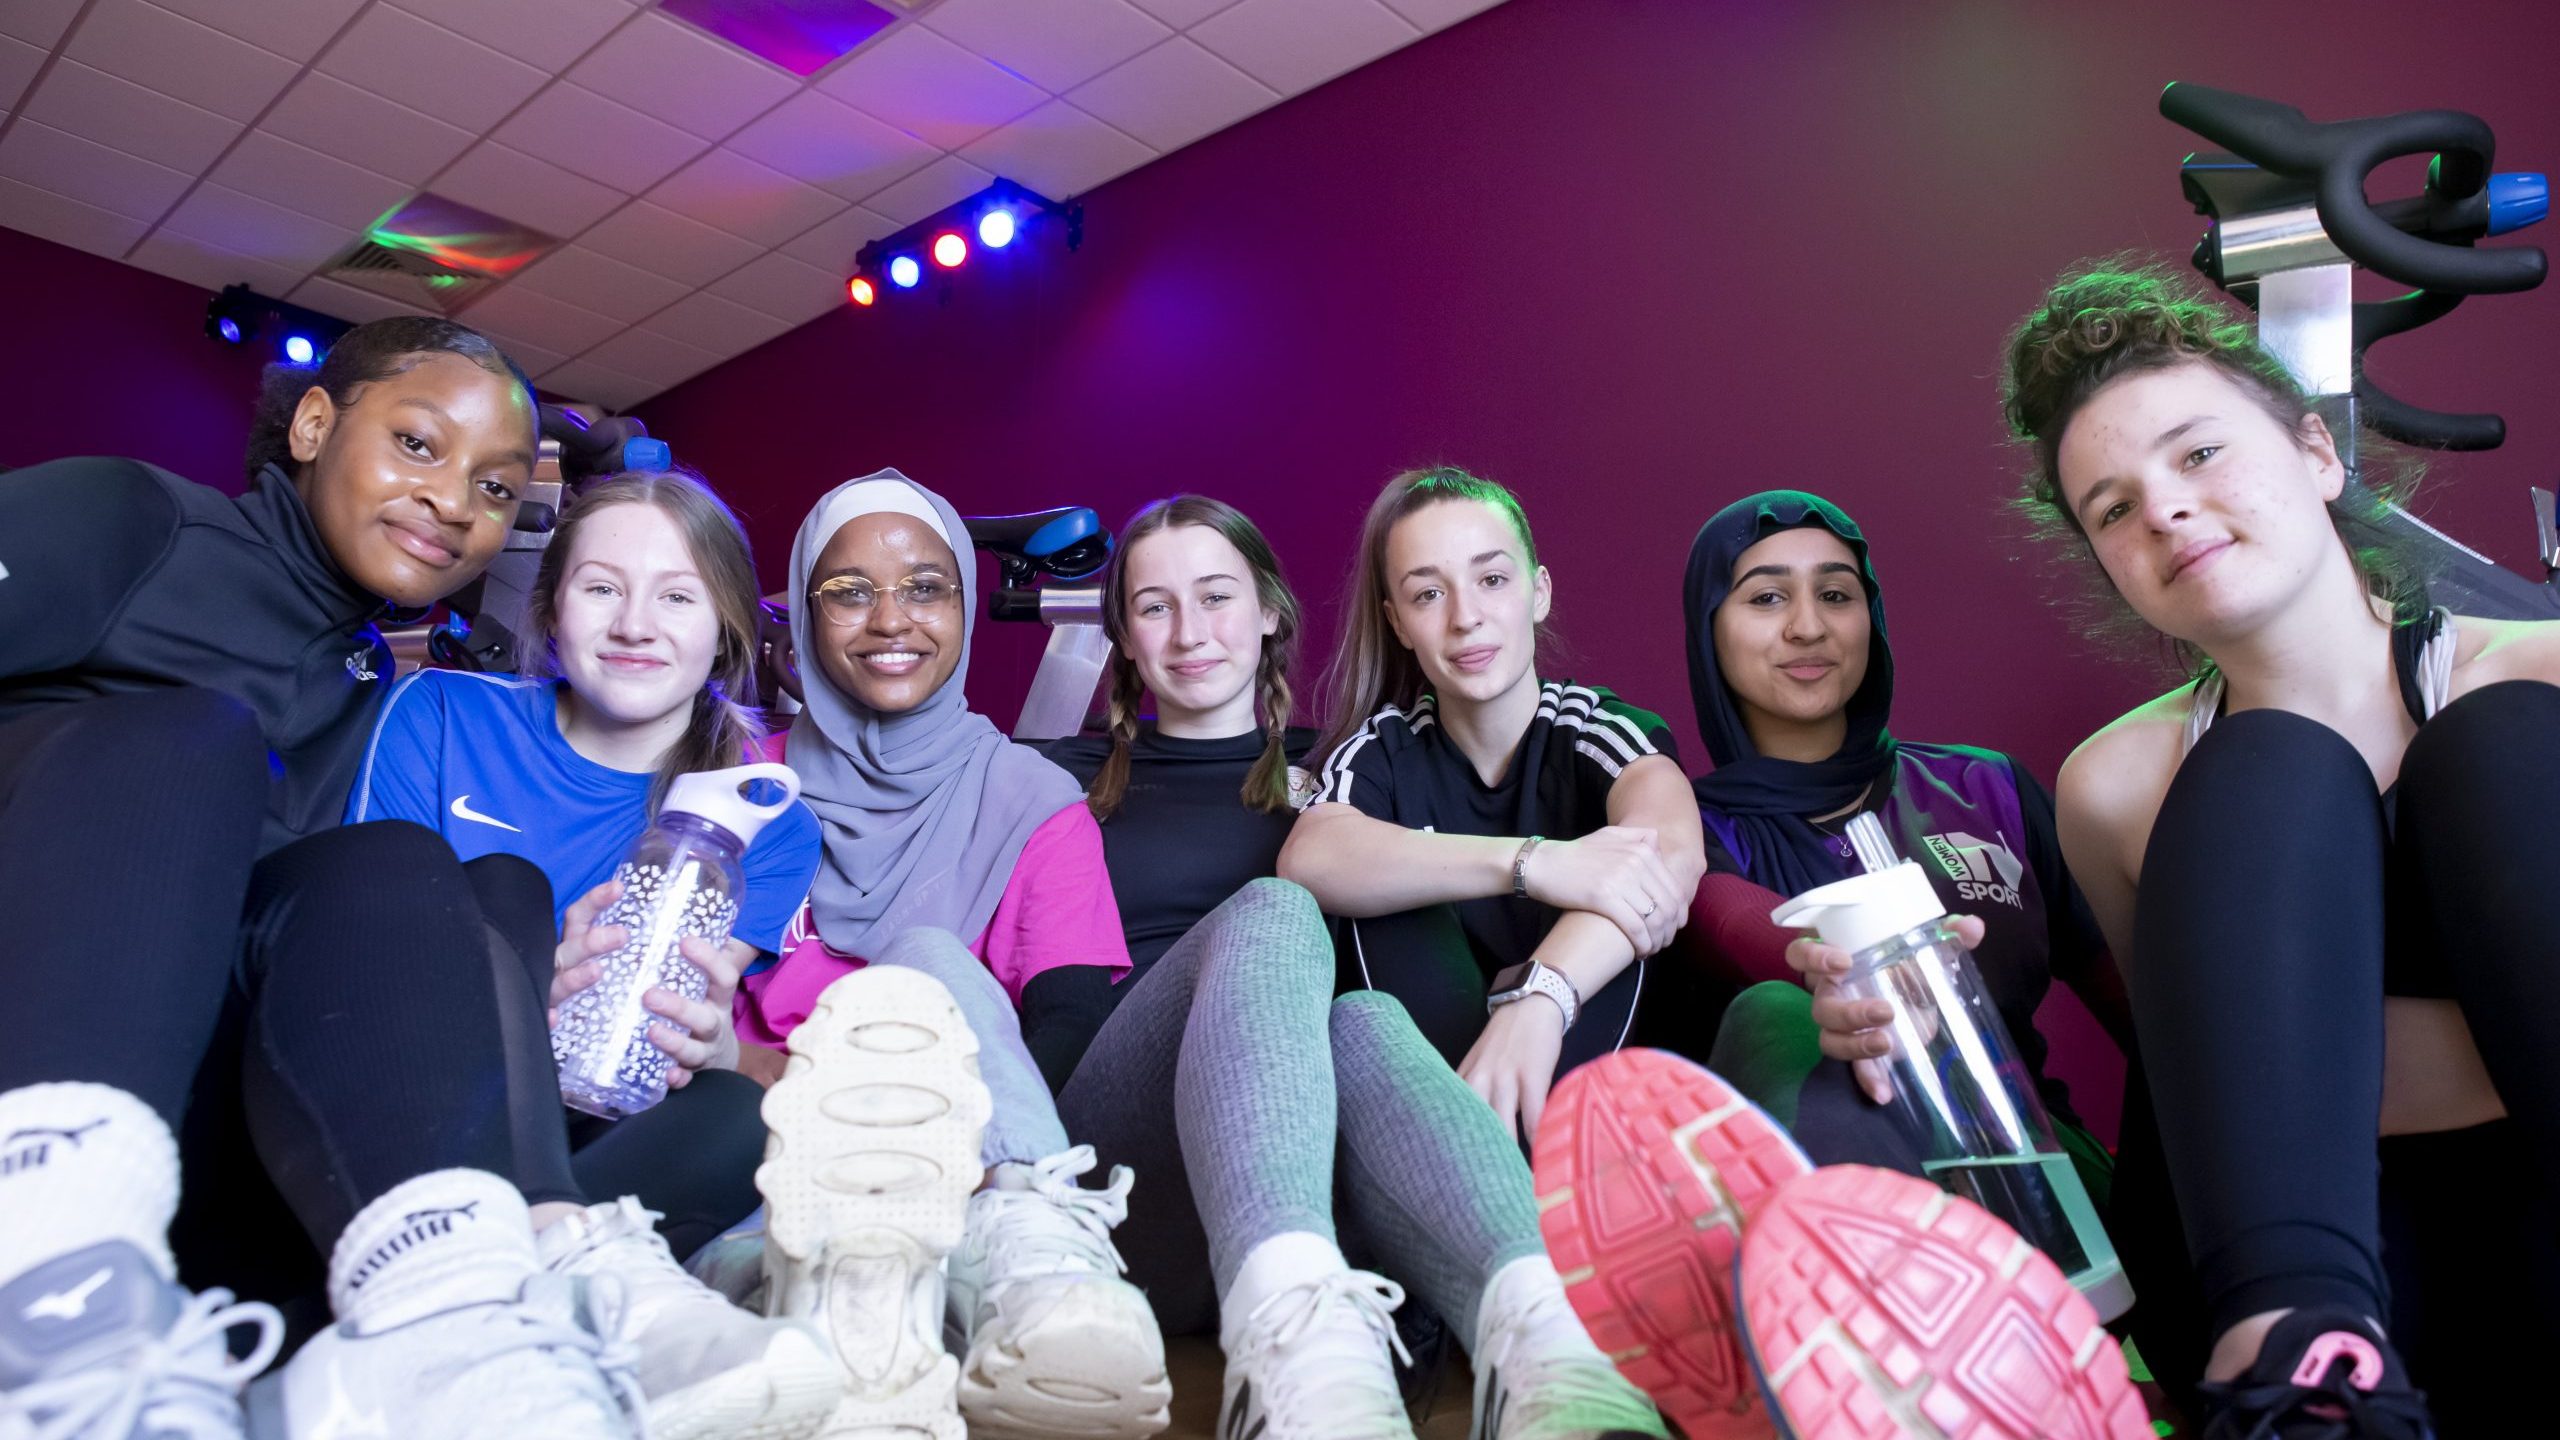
[[69, 1304], [462, 811]]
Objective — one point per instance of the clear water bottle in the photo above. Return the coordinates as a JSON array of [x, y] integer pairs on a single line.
[[681, 878], [1959, 1087]]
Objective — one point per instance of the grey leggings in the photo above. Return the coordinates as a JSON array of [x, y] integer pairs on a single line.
[[1229, 1081]]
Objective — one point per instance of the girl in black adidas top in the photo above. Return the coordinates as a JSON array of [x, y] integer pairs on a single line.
[[1230, 1075], [1509, 850]]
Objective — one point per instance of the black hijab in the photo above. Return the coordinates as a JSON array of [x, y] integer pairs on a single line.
[[1769, 799]]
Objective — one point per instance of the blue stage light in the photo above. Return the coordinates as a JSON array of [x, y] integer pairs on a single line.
[[996, 229], [230, 329], [298, 349], [904, 272]]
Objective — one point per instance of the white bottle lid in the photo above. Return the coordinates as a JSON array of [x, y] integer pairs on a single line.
[[1864, 910], [719, 796]]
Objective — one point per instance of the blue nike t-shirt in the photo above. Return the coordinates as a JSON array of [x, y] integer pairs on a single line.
[[480, 759]]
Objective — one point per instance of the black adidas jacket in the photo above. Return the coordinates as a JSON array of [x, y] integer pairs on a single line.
[[116, 576]]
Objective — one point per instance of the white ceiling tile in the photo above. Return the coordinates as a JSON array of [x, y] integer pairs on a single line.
[[832, 146], [303, 179], [19, 62], [586, 380], [179, 58], [67, 165], [515, 186], [831, 246], [346, 301], [944, 182], [1295, 45], [929, 87], [295, 29], [38, 22], [600, 283], [68, 222], [549, 34], [784, 288], [657, 239], [1059, 151], [195, 261], [1182, 14], [95, 105], [1054, 44], [683, 77], [1173, 95], [538, 320], [427, 67], [751, 201], [529, 357], [1439, 14], [602, 139], [362, 128], [658, 359], [247, 225], [710, 323]]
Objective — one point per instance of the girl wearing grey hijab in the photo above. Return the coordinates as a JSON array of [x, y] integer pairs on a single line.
[[958, 868]]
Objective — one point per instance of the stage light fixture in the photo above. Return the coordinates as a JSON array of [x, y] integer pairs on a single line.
[[298, 350], [239, 315], [861, 291], [904, 272], [949, 250], [996, 228], [995, 218]]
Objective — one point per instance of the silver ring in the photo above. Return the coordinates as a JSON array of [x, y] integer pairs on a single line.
[[1648, 908]]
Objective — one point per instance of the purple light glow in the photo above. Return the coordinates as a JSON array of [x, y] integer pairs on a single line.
[[802, 36]]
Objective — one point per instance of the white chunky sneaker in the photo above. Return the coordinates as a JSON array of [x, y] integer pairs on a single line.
[[97, 1341], [866, 1180], [448, 1330], [1059, 1347], [708, 1368], [1308, 1341], [1538, 1376]]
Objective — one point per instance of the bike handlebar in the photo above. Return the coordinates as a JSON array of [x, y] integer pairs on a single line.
[[2337, 157]]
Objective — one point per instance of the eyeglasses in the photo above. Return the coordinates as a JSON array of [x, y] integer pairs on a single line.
[[848, 601]]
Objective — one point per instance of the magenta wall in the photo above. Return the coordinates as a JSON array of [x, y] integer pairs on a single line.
[[1635, 258], [107, 359]]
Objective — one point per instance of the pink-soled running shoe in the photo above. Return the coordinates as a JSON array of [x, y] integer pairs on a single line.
[[1647, 1168], [1877, 1305]]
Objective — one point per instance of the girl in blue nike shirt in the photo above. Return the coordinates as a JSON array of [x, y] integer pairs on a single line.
[[638, 666]]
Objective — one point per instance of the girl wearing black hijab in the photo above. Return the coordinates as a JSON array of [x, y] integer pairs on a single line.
[[1792, 676]]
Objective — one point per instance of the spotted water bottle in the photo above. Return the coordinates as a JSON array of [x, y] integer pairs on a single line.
[[680, 878]]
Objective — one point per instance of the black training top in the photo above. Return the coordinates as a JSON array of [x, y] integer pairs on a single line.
[[1183, 840], [117, 577], [1401, 766]]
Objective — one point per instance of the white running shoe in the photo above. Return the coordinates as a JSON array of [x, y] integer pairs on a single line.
[[1311, 1361], [1538, 1376], [1059, 1347], [866, 1180], [97, 1340], [448, 1330], [708, 1368]]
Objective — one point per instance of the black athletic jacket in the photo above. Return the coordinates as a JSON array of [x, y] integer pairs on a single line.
[[116, 576]]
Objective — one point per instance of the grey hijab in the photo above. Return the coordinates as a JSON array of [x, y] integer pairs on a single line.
[[924, 813]]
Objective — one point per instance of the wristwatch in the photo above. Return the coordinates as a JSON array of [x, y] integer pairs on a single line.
[[1531, 978]]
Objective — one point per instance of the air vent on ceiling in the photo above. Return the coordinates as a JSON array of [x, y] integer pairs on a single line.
[[436, 254]]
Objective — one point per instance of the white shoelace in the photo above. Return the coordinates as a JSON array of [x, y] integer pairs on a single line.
[[1056, 1227], [184, 1380], [616, 1361], [1338, 1320]]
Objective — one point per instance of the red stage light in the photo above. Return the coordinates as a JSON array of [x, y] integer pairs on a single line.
[[859, 290], [949, 250]]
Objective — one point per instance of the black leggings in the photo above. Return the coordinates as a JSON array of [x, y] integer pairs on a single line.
[[1424, 959], [2279, 905], [341, 1009]]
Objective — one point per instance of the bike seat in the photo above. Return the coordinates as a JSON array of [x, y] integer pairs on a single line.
[[1068, 542]]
